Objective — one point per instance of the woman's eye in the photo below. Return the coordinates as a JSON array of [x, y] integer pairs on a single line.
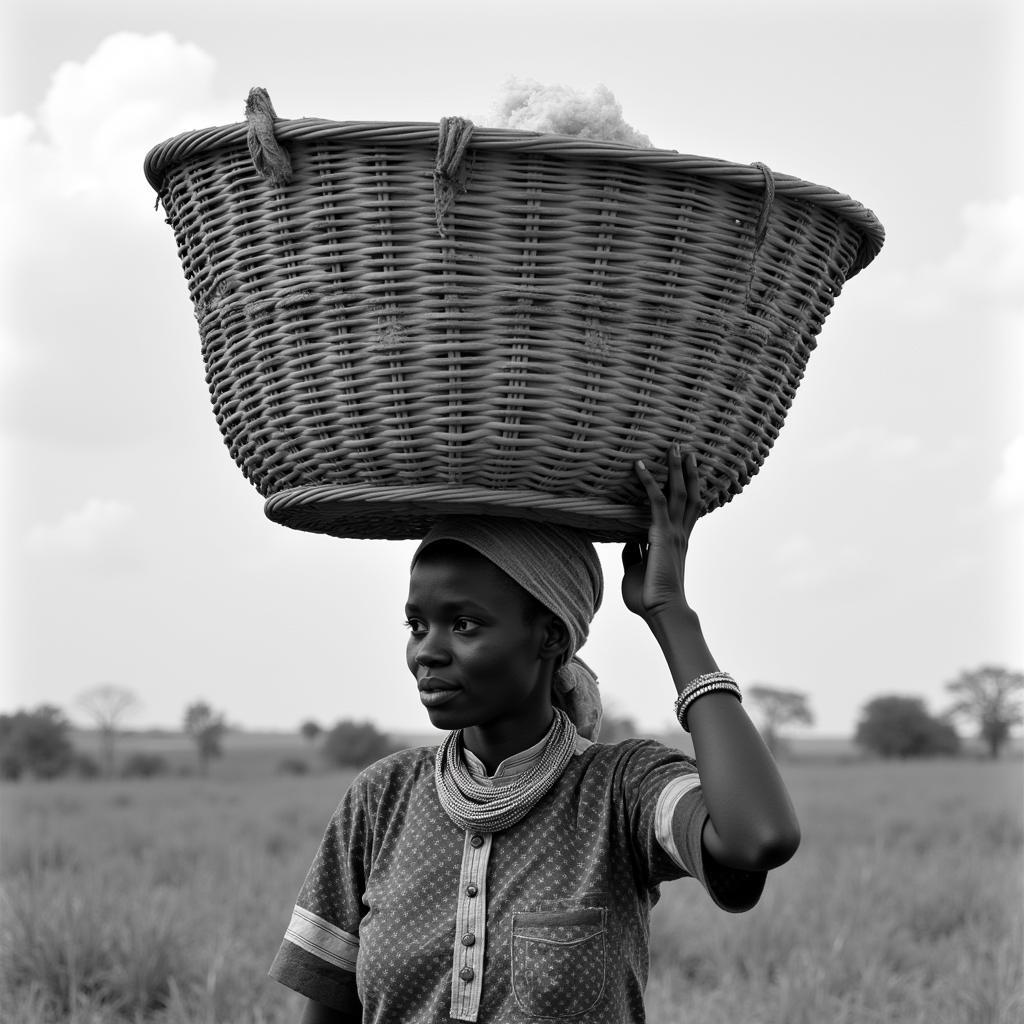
[[417, 627]]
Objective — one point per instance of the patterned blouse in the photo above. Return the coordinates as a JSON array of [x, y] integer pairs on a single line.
[[416, 920]]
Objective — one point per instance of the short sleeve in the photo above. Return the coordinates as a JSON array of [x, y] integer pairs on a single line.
[[647, 768], [668, 816], [318, 954], [684, 819]]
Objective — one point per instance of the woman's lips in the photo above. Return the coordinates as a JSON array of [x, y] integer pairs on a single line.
[[434, 698], [434, 692]]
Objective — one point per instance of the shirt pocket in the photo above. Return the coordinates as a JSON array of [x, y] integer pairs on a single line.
[[558, 961]]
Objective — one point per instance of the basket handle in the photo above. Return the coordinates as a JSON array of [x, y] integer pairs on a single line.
[[269, 156], [450, 172], [766, 204], [761, 229]]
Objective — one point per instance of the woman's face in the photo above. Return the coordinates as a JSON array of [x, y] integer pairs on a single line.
[[483, 652]]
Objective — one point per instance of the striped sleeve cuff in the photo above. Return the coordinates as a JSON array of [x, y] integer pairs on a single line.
[[318, 959], [664, 814], [729, 888], [323, 939]]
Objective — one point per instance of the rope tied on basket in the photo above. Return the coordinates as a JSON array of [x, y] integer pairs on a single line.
[[270, 158], [766, 205], [450, 172], [761, 230]]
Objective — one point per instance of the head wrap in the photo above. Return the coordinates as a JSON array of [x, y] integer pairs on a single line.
[[560, 568]]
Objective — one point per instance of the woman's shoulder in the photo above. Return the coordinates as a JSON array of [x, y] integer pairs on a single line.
[[635, 754], [635, 744], [387, 783], [398, 768]]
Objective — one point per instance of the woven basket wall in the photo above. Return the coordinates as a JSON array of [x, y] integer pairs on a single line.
[[388, 338]]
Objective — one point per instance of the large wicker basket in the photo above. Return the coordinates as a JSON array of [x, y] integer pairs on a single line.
[[405, 320]]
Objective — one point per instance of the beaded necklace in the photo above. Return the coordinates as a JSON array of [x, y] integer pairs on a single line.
[[484, 808]]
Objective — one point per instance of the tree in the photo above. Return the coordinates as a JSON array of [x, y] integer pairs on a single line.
[[992, 697], [207, 729], [779, 707], [355, 744], [310, 731], [36, 742], [894, 726], [107, 704]]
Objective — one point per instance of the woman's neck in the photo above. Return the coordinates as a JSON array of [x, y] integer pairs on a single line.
[[494, 744]]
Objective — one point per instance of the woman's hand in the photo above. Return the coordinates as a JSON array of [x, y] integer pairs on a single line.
[[751, 823], [653, 581]]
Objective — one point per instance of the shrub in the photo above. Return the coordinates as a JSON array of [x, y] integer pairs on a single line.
[[355, 744], [207, 728], [901, 727], [142, 765], [292, 766], [85, 766], [35, 743], [310, 731]]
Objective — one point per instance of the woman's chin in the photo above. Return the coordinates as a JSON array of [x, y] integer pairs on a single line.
[[444, 717]]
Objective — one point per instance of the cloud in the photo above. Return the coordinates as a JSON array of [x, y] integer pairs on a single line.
[[1008, 488], [93, 526], [984, 265], [81, 314], [99, 118]]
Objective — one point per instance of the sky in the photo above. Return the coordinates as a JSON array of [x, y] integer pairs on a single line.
[[878, 551]]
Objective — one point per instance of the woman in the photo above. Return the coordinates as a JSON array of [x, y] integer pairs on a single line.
[[508, 875]]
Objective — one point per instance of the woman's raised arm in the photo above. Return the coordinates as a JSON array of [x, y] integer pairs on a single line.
[[752, 824]]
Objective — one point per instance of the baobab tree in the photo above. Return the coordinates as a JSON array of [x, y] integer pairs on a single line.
[[779, 707], [991, 697], [106, 705]]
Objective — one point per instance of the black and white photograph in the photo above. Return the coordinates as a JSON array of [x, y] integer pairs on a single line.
[[514, 512]]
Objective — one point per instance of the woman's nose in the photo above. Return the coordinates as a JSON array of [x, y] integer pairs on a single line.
[[430, 652]]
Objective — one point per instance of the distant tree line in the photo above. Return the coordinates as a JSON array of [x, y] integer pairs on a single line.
[[37, 743], [990, 698]]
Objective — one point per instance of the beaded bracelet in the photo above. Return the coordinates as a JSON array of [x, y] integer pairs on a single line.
[[709, 682]]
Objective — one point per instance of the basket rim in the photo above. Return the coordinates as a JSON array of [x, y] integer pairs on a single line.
[[190, 144], [406, 512]]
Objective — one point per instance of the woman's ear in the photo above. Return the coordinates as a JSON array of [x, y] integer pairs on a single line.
[[555, 641]]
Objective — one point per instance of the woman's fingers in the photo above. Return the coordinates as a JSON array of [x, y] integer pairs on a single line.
[[659, 506], [677, 490], [694, 498], [680, 500]]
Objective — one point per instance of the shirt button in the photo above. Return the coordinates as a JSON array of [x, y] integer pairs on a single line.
[[467, 974], [471, 890], [477, 841], [468, 939]]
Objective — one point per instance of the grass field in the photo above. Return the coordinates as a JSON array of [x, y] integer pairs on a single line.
[[162, 901]]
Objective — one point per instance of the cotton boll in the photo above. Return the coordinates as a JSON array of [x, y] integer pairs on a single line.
[[559, 110]]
